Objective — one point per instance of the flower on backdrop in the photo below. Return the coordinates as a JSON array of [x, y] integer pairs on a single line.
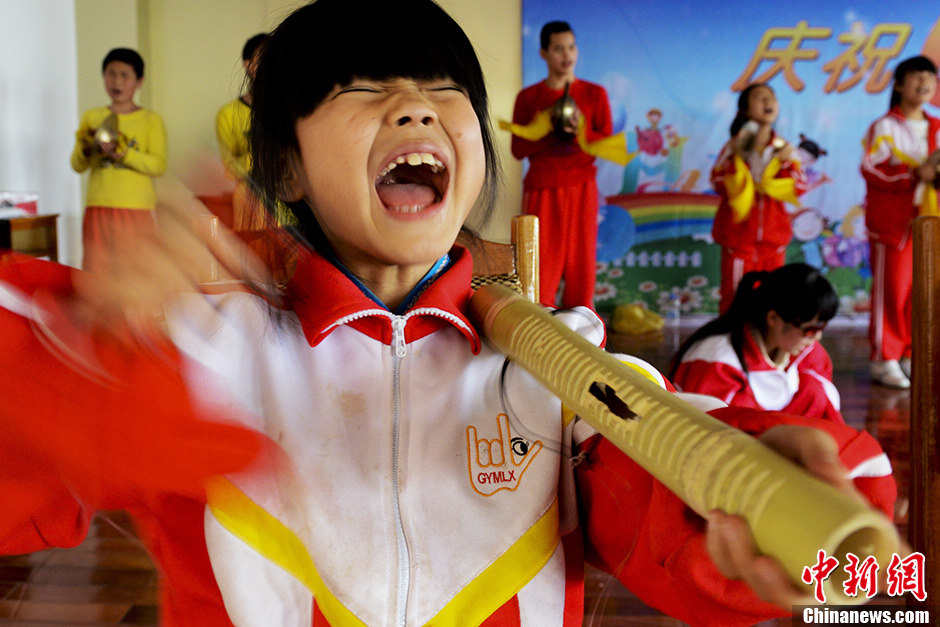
[[697, 281], [604, 291]]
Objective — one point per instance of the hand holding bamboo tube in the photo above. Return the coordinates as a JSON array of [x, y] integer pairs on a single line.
[[708, 464]]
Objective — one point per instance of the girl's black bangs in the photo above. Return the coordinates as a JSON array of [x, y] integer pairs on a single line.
[[914, 64], [405, 38]]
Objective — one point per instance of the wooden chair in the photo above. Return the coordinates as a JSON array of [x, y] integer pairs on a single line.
[[515, 265], [265, 244], [924, 519]]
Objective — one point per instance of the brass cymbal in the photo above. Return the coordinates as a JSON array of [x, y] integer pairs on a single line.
[[108, 131]]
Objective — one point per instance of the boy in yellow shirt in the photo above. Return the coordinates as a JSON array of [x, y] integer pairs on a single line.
[[124, 146]]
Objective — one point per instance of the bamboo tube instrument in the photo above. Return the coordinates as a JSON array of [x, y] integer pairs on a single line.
[[708, 464]]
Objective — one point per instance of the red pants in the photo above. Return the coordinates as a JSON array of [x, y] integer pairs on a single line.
[[105, 230], [567, 241], [891, 284], [736, 262]]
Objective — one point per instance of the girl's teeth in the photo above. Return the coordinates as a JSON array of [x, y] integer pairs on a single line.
[[414, 158]]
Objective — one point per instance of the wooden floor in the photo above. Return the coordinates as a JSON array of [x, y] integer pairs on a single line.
[[109, 580]]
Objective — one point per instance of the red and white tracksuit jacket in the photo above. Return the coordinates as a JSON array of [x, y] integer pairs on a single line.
[[803, 386], [401, 489], [759, 241], [802, 389], [892, 151]]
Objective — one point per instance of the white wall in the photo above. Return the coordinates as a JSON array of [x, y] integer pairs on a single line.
[[38, 108], [195, 52]]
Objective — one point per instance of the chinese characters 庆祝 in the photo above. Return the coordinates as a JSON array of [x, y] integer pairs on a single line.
[[865, 53]]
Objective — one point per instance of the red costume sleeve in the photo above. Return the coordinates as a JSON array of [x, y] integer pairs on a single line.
[[723, 167], [639, 531], [859, 451], [817, 360], [717, 379], [90, 423], [555, 156], [601, 123], [523, 112], [815, 386]]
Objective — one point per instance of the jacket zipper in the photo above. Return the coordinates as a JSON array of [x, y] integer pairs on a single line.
[[404, 570], [399, 349]]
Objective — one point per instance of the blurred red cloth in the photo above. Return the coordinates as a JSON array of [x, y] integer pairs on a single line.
[[74, 438]]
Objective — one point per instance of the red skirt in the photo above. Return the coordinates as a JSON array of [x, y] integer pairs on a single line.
[[106, 229]]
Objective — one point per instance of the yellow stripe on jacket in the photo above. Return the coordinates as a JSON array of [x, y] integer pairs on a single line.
[[485, 594], [927, 193]]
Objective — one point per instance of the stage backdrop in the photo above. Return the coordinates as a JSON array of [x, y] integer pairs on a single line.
[[672, 70]]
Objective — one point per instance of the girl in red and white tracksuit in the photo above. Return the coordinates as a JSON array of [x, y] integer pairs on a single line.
[[764, 351], [384, 465], [495, 539], [900, 186], [756, 173]]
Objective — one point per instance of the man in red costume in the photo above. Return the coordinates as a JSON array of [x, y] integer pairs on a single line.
[[560, 186]]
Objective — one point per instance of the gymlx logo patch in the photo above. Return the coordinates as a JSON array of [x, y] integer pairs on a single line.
[[498, 464]]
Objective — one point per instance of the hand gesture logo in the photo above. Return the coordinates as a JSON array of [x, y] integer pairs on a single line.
[[500, 463]]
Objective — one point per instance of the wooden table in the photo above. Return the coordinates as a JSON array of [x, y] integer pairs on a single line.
[[32, 235]]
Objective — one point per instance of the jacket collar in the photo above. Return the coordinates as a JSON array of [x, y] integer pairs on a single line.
[[324, 298], [896, 112], [933, 126], [754, 354]]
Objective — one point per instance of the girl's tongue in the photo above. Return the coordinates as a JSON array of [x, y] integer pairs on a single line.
[[405, 195], [411, 182]]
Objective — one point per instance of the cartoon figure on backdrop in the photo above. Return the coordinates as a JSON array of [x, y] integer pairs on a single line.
[[381, 154], [845, 253], [560, 186], [810, 229], [659, 163], [764, 351], [899, 164], [675, 178], [124, 145], [650, 140], [809, 153], [756, 173], [847, 246], [231, 132]]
